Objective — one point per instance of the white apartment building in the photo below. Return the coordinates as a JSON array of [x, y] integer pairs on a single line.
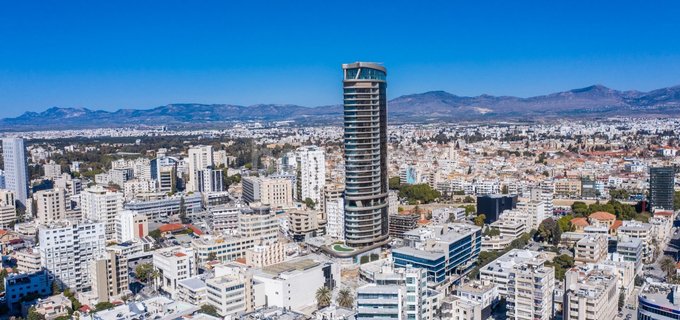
[[530, 289], [28, 261], [174, 264], [136, 186], [67, 248], [379, 302], [200, 157], [590, 294], [222, 248], [642, 231], [335, 213], [258, 222], [52, 170], [192, 290], [534, 208], [231, 292], [266, 255], [70, 185], [224, 218], [591, 249], [311, 173], [276, 192], [50, 205], [498, 271], [131, 225], [100, 204]]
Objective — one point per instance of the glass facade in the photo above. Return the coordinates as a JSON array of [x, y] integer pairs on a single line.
[[650, 311], [365, 140], [459, 260]]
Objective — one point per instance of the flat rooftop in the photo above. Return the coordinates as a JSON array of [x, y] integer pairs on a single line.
[[288, 266]]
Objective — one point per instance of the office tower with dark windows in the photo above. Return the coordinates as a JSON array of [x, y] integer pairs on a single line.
[[661, 182], [16, 175], [365, 119]]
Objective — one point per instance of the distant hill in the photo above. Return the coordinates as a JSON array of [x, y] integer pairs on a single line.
[[593, 101]]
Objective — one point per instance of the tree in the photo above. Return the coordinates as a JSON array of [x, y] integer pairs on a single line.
[[418, 193], [556, 235], [504, 190], [668, 266], [323, 297], [56, 288], [469, 199], [565, 223], [562, 263], [212, 256], [209, 310], [622, 298], [345, 298], [479, 220], [182, 210], [470, 208], [394, 183], [546, 229], [580, 209], [75, 304], [156, 234], [310, 203], [3, 275], [144, 272], [103, 305], [34, 315], [492, 232]]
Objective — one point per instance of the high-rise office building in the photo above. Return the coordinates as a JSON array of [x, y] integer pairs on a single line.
[[491, 206], [661, 182], [16, 175], [365, 138]]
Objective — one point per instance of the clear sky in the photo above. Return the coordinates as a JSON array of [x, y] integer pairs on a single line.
[[141, 54]]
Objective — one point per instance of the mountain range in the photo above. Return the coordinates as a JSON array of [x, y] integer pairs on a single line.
[[433, 106]]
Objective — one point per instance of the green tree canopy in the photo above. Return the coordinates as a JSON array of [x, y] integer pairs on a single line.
[[418, 193], [479, 220]]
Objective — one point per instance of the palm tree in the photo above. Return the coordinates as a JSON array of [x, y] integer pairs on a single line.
[[668, 265], [345, 298], [323, 297]]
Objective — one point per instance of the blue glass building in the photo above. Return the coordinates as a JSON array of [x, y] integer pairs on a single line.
[[447, 252]]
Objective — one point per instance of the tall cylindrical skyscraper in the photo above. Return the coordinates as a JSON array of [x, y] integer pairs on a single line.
[[365, 138]]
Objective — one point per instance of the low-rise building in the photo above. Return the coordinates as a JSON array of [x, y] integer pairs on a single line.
[[174, 264], [591, 249], [20, 286], [292, 284]]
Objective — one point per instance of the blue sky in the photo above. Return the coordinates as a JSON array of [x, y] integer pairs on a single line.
[[141, 54]]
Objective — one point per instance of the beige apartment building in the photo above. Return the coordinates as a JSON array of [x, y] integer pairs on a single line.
[[590, 295], [591, 249], [51, 205], [567, 187], [530, 290], [109, 275], [265, 255]]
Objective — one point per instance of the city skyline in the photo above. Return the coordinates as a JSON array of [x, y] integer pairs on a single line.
[[106, 56]]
